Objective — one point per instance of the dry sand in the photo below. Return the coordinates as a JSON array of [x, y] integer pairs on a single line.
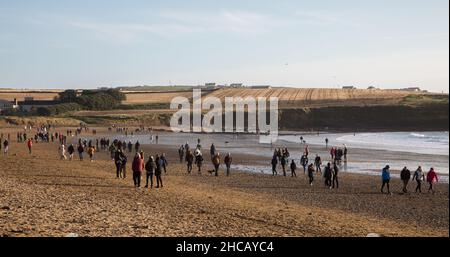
[[43, 196]]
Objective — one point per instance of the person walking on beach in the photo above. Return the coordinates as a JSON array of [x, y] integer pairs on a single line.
[[318, 163], [432, 179], [385, 177], [332, 153], [405, 176], [123, 167], [181, 153], [304, 162], [112, 151], [149, 168], [328, 174], [274, 165], [70, 150], [335, 175], [293, 168], [345, 153], [80, 151], [198, 160], [326, 143], [189, 161], [419, 177], [216, 163], [91, 152], [118, 161], [29, 144], [137, 166], [307, 150], [283, 164], [62, 152], [279, 154], [130, 146], [137, 146], [164, 162], [311, 174], [212, 151], [227, 160], [158, 171], [5, 147], [199, 146]]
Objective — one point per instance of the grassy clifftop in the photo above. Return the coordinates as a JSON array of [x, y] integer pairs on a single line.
[[366, 118]]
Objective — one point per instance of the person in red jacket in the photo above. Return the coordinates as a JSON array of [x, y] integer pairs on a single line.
[[29, 144], [432, 178], [332, 153], [138, 167]]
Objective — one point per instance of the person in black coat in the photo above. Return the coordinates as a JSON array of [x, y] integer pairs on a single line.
[[327, 174], [274, 165], [405, 176], [149, 168], [293, 168]]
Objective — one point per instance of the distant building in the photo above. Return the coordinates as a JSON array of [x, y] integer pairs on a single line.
[[348, 87], [8, 105], [411, 89], [235, 85], [261, 87], [29, 104], [210, 86], [372, 88]]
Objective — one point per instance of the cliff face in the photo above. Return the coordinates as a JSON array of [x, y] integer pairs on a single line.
[[367, 118], [431, 117]]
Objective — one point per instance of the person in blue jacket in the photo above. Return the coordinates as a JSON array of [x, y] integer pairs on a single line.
[[385, 177]]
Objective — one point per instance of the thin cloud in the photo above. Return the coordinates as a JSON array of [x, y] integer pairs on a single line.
[[325, 18], [226, 21], [129, 32], [176, 23]]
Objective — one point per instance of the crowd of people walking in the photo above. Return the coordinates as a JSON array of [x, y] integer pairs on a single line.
[[156, 165], [405, 176]]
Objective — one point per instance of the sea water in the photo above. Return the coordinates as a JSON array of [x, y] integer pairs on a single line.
[[413, 142]]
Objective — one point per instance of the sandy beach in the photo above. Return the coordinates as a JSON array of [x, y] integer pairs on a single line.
[[44, 196]]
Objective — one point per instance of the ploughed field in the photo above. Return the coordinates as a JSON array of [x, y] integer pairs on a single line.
[[289, 96]]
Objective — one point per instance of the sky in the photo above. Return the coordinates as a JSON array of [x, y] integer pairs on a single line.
[[322, 43]]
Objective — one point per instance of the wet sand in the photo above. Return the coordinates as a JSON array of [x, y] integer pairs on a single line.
[[43, 196]]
